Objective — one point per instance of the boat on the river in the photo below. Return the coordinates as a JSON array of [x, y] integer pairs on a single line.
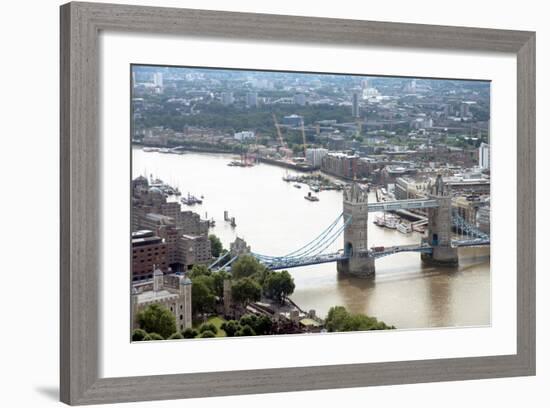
[[190, 200], [404, 228], [311, 197]]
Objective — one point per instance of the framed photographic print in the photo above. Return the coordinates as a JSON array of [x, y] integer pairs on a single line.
[[324, 189]]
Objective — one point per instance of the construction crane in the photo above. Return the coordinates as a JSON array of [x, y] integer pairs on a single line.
[[281, 141]]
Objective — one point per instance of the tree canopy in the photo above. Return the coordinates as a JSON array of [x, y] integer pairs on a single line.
[[202, 294], [246, 265], [199, 270], [138, 335], [189, 333], [278, 285], [156, 318], [207, 334], [216, 245], [230, 327], [218, 278], [246, 290], [208, 327], [339, 320], [175, 336]]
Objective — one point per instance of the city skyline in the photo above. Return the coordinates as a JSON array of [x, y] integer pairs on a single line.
[[220, 155]]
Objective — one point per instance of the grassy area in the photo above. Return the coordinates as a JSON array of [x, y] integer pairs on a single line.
[[216, 321]]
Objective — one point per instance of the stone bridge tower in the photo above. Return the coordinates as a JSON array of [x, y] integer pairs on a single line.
[[356, 233], [440, 226]]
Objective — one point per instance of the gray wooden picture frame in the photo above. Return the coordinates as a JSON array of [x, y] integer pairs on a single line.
[[81, 24]]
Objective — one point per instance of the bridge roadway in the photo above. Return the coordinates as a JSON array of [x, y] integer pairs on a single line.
[[288, 263], [423, 247], [403, 205]]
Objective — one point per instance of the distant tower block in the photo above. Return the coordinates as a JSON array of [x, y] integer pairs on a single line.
[[355, 233], [439, 227]]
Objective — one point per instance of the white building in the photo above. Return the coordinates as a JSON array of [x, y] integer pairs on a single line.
[[252, 99], [244, 135], [484, 156], [315, 156], [355, 105], [227, 98], [157, 79], [172, 291], [300, 99]]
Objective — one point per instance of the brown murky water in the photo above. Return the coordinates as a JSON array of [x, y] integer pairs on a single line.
[[275, 219]]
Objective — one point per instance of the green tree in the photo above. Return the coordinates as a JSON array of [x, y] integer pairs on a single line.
[[208, 327], [278, 285], [199, 270], [245, 331], [175, 336], [339, 319], [230, 327], [202, 295], [154, 336], [260, 324], [245, 265], [156, 318], [189, 333], [218, 278], [206, 334], [336, 318], [263, 325], [246, 290], [138, 335], [216, 245]]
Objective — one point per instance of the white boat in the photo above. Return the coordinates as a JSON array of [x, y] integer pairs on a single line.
[[404, 228], [391, 223], [380, 221], [150, 149]]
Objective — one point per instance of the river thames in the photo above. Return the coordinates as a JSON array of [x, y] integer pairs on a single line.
[[275, 219]]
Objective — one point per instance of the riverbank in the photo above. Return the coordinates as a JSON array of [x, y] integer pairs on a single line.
[[274, 217]]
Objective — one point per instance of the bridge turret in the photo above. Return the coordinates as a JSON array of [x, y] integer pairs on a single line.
[[356, 215], [439, 231]]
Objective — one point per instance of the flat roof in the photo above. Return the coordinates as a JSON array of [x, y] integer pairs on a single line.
[[151, 295]]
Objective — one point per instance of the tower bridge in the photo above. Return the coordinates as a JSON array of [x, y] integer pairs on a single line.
[[356, 257]]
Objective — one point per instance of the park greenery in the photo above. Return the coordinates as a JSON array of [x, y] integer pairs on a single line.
[[236, 117], [157, 319], [250, 281], [216, 245], [340, 320]]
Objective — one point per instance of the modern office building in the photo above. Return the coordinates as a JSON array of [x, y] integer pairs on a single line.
[[485, 156], [158, 80], [227, 98], [314, 156], [300, 99], [355, 105], [252, 99]]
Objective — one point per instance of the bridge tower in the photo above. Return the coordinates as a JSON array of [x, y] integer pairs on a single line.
[[440, 226], [355, 233]]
